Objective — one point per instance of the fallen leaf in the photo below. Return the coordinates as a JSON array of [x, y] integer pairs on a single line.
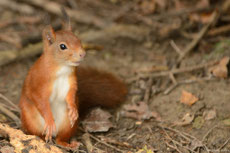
[[209, 114], [203, 18], [97, 121], [198, 122], [226, 122], [188, 98], [220, 70], [139, 111], [187, 119]]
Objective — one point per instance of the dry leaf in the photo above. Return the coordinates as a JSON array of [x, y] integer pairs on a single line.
[[198, 122], [209, 114], [97, 121], [203, 18], [139, 111], [187, 119], [220, 70], [188, 98]]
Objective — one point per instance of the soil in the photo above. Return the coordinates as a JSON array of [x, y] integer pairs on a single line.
[[128, 57]]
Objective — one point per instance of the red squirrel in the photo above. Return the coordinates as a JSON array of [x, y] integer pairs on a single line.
[[56, 90]]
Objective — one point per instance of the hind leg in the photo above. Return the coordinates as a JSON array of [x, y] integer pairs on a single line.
[[32, 122], [65, 133]]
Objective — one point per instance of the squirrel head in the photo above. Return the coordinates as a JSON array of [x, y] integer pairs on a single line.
[[63, 45]]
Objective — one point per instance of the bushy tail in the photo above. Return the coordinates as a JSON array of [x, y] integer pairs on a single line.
[[99, 88]]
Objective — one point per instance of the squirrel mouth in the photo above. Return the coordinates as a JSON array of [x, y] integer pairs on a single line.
[[75, 63]]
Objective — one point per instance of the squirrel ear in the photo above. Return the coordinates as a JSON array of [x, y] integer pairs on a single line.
[[48, 35], [66, 20]]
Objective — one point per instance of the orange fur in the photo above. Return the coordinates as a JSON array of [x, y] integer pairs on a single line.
[[55, 91], [99, 88]]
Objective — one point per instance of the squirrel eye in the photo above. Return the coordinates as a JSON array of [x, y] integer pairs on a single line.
[[63, 47]]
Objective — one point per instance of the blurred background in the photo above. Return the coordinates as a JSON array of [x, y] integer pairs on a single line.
[[173, 55]]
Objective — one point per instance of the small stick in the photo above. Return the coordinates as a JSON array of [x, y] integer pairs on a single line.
[[195, 41], [175, 47], [148, 90], [16, 6], [173, 147], [172, 77], [77, 15], [219, 30], [106, 144], [209, 131], [10, 114], [224, 144], [10, 102], [88, 142], [172, 87], [176, 142], [174, 71]]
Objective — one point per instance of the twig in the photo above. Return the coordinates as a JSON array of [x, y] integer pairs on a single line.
[[79, 16], [115, 142], [148, 90], [173, 147], [172, 87], [175, 47], [10, 114], [19, 7], [12, 55], [224, 144], [172, 141], [209, 131], [176, 142], [31, 50], [106, 144], [187, 137], [196, 40], [174, 71], [219, 30], [172, 77], [88, 142], [10, 102]]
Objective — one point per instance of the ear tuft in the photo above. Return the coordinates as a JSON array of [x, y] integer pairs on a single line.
[[66, 20], [48, 35]]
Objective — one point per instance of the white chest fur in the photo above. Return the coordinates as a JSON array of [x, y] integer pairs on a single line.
[[58, 96]]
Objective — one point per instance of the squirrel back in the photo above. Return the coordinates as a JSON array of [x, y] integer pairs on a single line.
[[99, 88]]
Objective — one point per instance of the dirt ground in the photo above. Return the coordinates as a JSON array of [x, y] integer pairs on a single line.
[[136, 47]]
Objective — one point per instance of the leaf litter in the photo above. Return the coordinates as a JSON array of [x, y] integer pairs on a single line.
[[139, 111], [97, 121]]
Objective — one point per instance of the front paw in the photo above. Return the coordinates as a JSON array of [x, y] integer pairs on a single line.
[[73, 115], [49, 129]]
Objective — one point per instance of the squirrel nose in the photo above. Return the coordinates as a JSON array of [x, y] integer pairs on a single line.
[[82, 55]]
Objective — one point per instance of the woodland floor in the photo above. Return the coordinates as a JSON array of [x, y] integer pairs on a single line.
[[139, 41]]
